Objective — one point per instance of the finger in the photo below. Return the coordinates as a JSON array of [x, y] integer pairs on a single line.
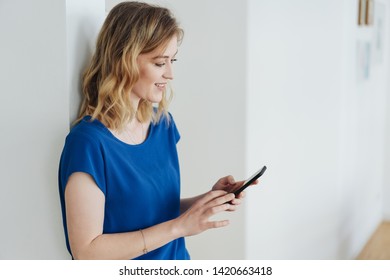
[[231, 180], [210, 196], [218, 224], [233, 207], [236, 201], [227, 180], [221, 200], [240, 184], [241, 195], [222, 205], [255, 182]]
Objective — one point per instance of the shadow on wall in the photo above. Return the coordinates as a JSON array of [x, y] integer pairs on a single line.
[[80, 50]]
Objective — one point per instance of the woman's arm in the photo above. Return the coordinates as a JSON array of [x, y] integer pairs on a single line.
[[85, 216]]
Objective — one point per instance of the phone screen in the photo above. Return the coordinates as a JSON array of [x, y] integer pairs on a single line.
[[248, 182]]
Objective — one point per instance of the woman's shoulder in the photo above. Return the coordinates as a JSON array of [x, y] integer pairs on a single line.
[[165, 120], [166, 124], [87, 129]]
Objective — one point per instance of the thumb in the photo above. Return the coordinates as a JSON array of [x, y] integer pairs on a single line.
[[227, 180]]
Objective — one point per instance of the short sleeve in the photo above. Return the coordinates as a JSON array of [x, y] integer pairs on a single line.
[[82, 153], [174, 129]]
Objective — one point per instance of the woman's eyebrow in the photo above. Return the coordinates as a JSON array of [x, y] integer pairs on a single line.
[[164, 56]]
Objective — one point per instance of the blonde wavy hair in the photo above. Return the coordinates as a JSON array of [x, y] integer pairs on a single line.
[[130, 29]]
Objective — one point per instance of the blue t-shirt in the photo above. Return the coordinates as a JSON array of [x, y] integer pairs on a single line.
[[141, 183]]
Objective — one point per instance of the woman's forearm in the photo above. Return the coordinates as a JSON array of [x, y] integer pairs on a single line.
[[128, 245]]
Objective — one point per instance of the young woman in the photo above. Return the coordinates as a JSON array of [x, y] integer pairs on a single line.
[[119, 175]]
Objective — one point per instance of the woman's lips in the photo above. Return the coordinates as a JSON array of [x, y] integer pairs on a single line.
[[160, 85]]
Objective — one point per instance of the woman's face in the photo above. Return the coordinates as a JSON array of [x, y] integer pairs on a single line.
[[155, 71]]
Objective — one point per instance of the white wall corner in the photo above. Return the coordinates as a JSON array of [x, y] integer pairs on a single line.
[[83, 22]]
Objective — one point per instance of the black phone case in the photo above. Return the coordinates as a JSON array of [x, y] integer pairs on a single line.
[[250, 181]]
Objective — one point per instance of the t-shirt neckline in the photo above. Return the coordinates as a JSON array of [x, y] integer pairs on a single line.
[[111, 135]]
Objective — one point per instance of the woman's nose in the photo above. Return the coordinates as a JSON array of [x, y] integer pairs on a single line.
[[168, 74]]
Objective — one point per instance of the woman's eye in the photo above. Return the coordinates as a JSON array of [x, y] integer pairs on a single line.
[[163, 63]]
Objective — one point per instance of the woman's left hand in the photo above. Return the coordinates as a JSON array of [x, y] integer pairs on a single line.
[[228, 184]]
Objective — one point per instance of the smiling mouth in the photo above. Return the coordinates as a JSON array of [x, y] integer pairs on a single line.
[[160, 85]]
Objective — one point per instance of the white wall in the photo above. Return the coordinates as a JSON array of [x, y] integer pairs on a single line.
[[36, 54], [33, 123], [319, 129], [83, 21], [293, 117]]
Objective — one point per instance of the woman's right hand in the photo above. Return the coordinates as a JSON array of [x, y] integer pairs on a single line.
[[197, 218]]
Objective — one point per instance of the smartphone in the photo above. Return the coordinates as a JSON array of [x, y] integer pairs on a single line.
[[248, 182]]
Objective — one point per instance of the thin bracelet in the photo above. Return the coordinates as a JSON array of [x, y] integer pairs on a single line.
[[143, 238]]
